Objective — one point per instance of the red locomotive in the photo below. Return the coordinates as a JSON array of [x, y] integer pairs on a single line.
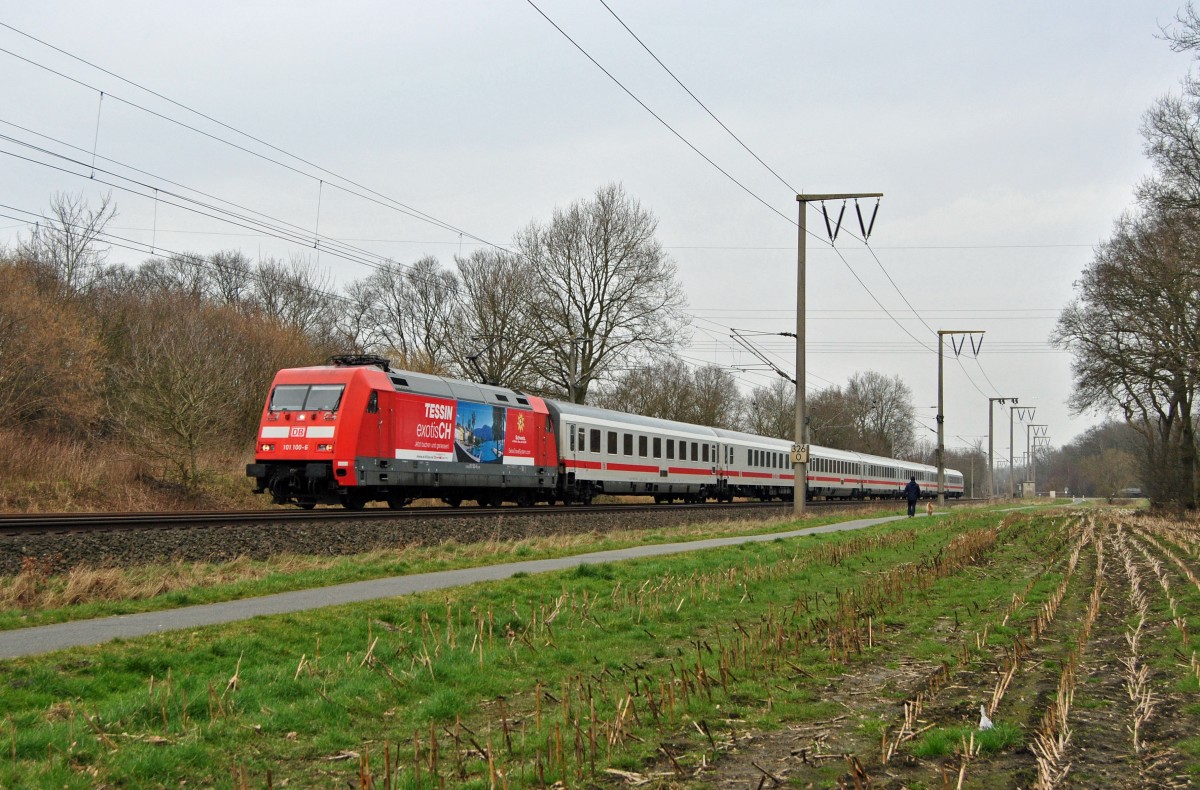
[[358, 431]]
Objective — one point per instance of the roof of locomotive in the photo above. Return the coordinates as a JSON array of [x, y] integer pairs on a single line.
[[442, 387]]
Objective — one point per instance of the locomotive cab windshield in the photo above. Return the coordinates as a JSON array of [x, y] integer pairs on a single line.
[[304, 397]]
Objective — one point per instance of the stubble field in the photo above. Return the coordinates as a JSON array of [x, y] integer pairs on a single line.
[[856, 659]]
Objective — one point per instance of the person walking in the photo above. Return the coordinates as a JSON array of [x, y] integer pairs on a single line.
[[912, 492]]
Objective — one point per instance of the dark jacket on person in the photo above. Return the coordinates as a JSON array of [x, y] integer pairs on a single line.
[[912, 491]]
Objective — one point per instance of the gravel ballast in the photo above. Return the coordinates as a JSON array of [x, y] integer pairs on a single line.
[[59, 552]]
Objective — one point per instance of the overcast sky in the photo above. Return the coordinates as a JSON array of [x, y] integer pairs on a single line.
[[1004, 136]]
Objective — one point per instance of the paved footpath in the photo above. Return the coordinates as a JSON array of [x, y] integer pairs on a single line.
[[43, 639]]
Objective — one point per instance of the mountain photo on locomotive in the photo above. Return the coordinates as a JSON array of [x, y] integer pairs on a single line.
[[357, 431]]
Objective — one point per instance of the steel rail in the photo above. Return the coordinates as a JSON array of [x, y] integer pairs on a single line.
[[15, 524]]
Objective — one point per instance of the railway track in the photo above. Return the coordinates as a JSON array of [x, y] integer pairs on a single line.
[[18, 524], [53, 543]]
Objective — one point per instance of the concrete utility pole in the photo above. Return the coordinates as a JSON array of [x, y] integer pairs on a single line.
[[1044, 443], [800, 453], [941, 416], [974, 448], [1012, 470], [1037, 432], [991, 484]]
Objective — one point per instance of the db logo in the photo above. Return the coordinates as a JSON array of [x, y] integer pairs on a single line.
[[298, 430]]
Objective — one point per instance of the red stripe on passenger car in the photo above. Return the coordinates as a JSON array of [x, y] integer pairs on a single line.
[[633, 468]]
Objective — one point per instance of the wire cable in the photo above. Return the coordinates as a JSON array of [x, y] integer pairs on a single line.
[[666, 125], [381, 200], [697, 99]]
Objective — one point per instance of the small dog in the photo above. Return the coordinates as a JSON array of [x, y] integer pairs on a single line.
[[929, 508]]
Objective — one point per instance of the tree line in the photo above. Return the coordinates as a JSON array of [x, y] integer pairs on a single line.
[[172, 356], [1134, 326]]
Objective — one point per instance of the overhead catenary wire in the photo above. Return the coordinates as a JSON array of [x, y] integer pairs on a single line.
[[282, 234], [697, 99], [298, 235], [783, 181], [659, 118], [303, 238], [705, 157], [316, 240], [406, 209], [281, 229], [373, 196], [141, 246]]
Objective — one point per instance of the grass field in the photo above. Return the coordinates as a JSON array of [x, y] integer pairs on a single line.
[[36, 597], [849, 658]]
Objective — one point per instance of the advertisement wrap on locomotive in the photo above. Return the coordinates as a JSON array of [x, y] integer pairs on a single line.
[[358, 431], [432, 429]]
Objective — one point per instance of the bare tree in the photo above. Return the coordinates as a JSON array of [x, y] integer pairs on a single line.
[[604, 290], [433, 301], [412, 308], [493, 322], [871, 414], [661, 388], [771, 410], [1134, 329], [670, 389], [716, 401], [832, 418], [296, 294], [190, 378], [884, 414], [50, 357], [358, 321], [172, 397], [1171, 130], [1110, 471], [180, 273], [972, 462], [230, 278], [1134, 332], [1063, 469], [69, 239]]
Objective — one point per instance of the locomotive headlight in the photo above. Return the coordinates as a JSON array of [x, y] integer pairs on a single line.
[[324, 448], [266, 448]]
